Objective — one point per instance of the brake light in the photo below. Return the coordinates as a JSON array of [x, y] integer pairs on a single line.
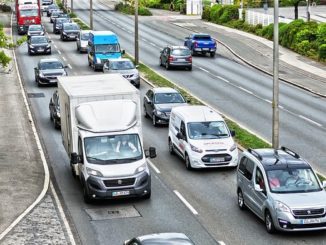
[[195, 44], [171, 58], [189, 59]]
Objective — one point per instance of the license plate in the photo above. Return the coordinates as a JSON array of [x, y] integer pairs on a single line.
[[181, 59], [217, 159], [310, 221], [41, 50], [206, 49], [72, 36], [120, 193]]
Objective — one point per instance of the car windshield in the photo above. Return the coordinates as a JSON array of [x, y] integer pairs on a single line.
[[113, 149], [181, 52], [71, 27], [202, 37], [63, 20], [84, 36], [50, 65], [28, 12], [207, 130], [35, 28], [168, 98], [107, 48], [52, 7], [121, 65], [292, 180], [38, 40]]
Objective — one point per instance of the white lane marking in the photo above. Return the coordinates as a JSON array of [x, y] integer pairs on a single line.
[[282, 107], [153, 166], [129, 32], [64, 58], [59, 51], [55, 46], [311, 121], [203, 69], [185, 202], [223, 79], [268, 101], [62, 214], [246, 90], [69, 66], [153, 44], [221, 243]]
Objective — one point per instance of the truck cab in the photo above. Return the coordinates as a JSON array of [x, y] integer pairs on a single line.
[[27, 14], [200, 43], [102, 45]]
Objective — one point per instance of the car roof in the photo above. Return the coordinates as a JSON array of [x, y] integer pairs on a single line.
[[178, 47], [49, 60], [167, 238], [70, 24], [37, 36], [164, 90], [197, 113], [278, 159], [85, 31], [119, 59]]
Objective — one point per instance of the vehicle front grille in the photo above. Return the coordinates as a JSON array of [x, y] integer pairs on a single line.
[[127, 76], [216, 150], [308, 213], [303, 226], [119, 182], [216, 159]]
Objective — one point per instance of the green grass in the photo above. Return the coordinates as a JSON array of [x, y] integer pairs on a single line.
[[81, 24], [321, 177]]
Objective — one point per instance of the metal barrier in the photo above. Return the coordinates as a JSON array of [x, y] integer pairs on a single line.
[[254, 18]]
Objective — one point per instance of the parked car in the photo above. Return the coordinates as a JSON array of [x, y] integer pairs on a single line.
[[125, 67], [158, 103], [201, 43], [54, 107], [200, 136], [50, 9], [282, 189], [176, 56], [57, 24], [35, 30], [55, 14], [161, 238], [38, 44], [82, 40], [69, 31], [48, 70]]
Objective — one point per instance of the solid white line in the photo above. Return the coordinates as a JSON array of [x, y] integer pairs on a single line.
[[281, 107], [203, 69], [64, 58], [153, 44], [39, 146], [246, 90], [223, 79], [62, 214], [185, 202], [59, 51], [69, 66], [311, 121], [153, 166], [268, 101]]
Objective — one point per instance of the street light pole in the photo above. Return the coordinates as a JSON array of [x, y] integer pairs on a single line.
[[72, 6], [275, 103], [308, 12], [136, 34], [91, 14]]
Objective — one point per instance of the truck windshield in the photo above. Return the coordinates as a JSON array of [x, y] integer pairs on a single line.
[[28, 12], [113, 149], [107, 48], [207, 130]]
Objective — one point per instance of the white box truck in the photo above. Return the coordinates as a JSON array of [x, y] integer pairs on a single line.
[[101, 132]]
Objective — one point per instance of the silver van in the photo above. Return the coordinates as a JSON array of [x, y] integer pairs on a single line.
[[282, 189]]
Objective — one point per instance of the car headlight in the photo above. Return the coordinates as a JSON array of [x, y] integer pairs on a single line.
[[42, 33], [93, 172], [41, 74], [98, 60], [142, 168], [48, 46], [281, 207], [196, 149], [58, 114], [159, 113], [31, 46], [64, 33], [233, 147]]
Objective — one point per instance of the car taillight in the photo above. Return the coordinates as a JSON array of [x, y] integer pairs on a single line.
[[189, 59], [171, 58], [195, 44]]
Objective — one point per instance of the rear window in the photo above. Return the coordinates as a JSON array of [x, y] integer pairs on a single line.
[[202, 37], [181, 52]]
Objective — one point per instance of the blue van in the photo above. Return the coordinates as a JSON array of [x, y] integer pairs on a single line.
[[102, 45]]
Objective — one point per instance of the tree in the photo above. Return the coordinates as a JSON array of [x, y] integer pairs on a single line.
[[294, 3]]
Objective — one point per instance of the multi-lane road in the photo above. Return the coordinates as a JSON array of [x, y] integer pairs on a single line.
[[210, 214]]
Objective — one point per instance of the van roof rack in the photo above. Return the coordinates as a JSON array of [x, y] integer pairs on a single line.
[[290, 152], [255, 153]]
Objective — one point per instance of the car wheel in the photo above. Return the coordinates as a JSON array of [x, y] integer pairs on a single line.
[[29, 51], [167, 66], [145, 112], [212, 54], [87, 197], [269, 223], [171, 149], [190, 68], [56, 124], [188, 164], [161, 62], [89, 63], [51, 117], [50, 52], [154, 121], [193, 52], [147, 195], [241, 203]]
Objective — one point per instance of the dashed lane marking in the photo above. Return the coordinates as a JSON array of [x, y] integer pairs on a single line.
[[153, 44], [311, 121], [69, 66], [185, 202], [64, 58], [59, 51], [203, 69], [55, 46], [246, 90], [153, 166]]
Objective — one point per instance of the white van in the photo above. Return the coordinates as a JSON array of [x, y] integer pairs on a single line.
[[201, 137]]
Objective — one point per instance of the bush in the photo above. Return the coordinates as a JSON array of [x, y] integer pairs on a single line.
[[321, 33], [72, 15], [268, 31], [144, 11], [322, 52], [215, 13], [127, 9], [303, 47], [230, 12], [206, 13]]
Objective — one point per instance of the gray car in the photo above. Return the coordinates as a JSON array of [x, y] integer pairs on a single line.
[[125, 67], [282, 189], [161, 238], [82, 40], [176, 56]]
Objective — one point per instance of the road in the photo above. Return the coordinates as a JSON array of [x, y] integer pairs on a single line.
[[236, 90]]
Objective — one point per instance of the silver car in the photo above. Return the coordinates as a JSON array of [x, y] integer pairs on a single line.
[[82, 40], [125, 67], [282, 189]]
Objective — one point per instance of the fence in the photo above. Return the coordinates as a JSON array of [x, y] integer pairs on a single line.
[[254, 18]]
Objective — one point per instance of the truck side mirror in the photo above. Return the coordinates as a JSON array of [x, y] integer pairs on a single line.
[[232, 133], [179, 135], [149, 102], [257, 188], [74, 158], [123, 51], [151, 152]]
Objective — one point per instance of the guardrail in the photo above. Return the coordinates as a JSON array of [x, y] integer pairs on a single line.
[[254, 18]]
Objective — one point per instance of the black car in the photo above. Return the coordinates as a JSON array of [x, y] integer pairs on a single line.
[[161, 238], [38, 45], [48, 71], [55, 14], [158, 103], [57, 24], [50, 9], [176, 56], [54, 107], [35, 30], [69, 31]]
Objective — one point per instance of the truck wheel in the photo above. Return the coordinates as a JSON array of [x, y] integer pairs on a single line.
[[212, 54]]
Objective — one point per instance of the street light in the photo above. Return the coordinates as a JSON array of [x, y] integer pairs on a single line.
[[136, 34], [308, 11], [91, 14]]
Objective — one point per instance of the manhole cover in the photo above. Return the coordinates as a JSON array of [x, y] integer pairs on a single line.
[[35, 95], [112, 213]]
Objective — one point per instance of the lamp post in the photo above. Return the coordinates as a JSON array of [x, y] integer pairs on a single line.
[[308, 11], [91, 14], [72, 6], [136, 34], [275, 103]]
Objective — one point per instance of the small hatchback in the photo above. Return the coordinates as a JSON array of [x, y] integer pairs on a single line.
[[176, 56], [82, 40], [35, 30], [281, 189]]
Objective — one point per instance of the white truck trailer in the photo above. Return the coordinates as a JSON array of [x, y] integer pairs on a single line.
[[102, 135]]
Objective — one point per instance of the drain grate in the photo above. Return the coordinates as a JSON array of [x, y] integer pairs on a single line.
[[35, 95], [112, 213]]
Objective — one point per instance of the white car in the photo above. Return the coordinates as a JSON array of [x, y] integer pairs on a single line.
[[200, 136], [82, 40]]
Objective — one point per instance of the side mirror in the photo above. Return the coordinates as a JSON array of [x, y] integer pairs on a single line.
[[50, 41], [188, 101], [232, 133], [149, 102], [123, 51], [324, 184], [257, 188], [179, 135], [74, 158], [151, 152], [137, 66], [65, 66], [35, 68]]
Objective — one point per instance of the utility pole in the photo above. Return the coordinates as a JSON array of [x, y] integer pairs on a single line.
[[136, 34], [71, 6], [275, 103], [308, 11], [91, 14]]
